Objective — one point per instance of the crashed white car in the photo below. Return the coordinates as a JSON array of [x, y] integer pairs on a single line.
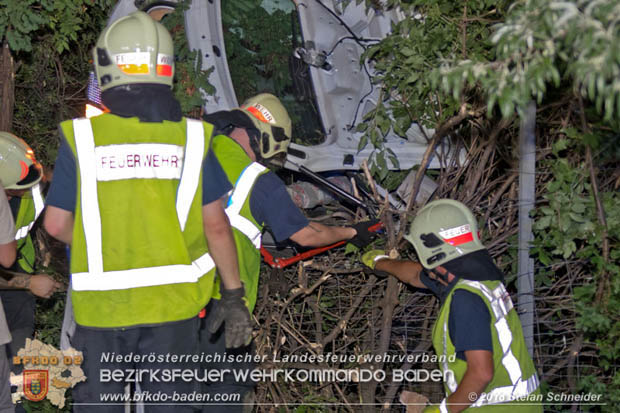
[[334, 34]]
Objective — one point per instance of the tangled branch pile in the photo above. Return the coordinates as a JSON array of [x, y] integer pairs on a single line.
[[330, 306]]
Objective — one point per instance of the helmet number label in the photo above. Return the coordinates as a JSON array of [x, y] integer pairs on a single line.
[[457, 235], [135, 63]]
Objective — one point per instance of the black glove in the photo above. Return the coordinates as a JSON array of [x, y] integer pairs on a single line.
[[236, 318], [363, 236]]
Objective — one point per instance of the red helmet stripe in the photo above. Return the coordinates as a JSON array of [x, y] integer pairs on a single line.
[[24, 170], [164, 70], [257, 114], [460, 239]]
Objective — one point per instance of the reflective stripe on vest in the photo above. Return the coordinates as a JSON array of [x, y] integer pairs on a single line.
[[242, 190], [501, 304], [96, 278], [38, 208]]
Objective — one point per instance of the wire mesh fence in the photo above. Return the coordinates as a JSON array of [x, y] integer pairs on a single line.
[[331, 319], [330, 306]]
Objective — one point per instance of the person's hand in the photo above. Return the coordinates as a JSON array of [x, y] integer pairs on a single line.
[[42, 285], [233, 312], [363, 236], [370, 258]]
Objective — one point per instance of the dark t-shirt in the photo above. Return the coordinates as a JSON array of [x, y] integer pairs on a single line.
[[469, 323], [273, 206]]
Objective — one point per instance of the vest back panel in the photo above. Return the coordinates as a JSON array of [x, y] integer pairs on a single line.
[[138, 167]]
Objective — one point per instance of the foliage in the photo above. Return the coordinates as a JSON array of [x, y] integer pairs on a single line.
[[567, 229], [23, 22], [51, 42], [483, 52], [257, 46], [52, 72], [544, 41], [481, 56], [192, 81], [406, 65], [259, 38]]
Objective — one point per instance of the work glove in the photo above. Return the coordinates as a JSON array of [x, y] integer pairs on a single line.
[[236, 318], [363, 236], [370, 259], [434, 408]]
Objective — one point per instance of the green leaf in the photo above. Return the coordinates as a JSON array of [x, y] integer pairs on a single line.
[[413, 77], [568, 249], [576, 217], [363, 142], [559, 145], [578, 207], [542, 223], [350, 249]]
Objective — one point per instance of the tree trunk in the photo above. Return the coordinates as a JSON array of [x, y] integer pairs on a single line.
[[7, 88]]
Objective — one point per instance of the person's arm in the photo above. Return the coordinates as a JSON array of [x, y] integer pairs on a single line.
[[59, 223], [272, 205], [318, 235], [61, 197], [41, 285], [477, 376], [8, 253], [231, 310], [221, 243], [405, 270]]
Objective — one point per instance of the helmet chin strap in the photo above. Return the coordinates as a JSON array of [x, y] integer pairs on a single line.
[[443, 278]]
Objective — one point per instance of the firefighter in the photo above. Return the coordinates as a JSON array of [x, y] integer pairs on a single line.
[[258, 136], [487, 366], [21, 177], [136, 192]]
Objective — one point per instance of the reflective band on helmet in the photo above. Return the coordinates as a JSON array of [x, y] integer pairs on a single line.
[[458, 235], [461, 239], [96, 278], [38, 208], [241, 192], [164, 65], [24, 172], [261, 113], [134, 63]]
